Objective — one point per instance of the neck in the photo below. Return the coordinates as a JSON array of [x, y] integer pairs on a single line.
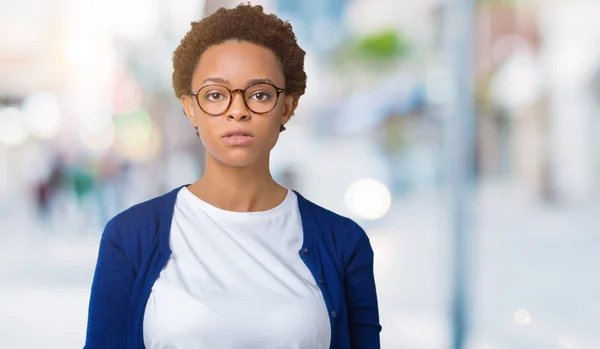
[[241, 189]]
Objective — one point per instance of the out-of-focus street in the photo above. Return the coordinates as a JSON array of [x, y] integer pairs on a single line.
[[463, 136]]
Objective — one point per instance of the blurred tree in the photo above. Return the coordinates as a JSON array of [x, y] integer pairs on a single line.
[[386, 45], [376, 50]]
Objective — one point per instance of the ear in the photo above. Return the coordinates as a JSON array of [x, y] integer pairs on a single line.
[[187, 102], [290, 104]]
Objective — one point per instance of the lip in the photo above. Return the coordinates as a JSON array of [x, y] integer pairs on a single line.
[[237, 137], [237, 131]]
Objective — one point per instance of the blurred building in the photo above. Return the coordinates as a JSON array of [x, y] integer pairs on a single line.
[[89, 126]]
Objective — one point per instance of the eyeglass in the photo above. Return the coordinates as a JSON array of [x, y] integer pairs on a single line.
[[260, 98]]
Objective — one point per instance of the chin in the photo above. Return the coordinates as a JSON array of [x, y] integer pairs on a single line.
[[239, 163], [240, 156], [236, 158]]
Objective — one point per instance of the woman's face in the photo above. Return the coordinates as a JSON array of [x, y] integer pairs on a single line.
[[237, 65]]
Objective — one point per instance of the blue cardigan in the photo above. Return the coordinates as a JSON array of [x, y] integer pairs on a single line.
[[135, 247]]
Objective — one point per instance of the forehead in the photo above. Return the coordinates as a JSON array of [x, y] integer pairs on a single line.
[[238, 62]]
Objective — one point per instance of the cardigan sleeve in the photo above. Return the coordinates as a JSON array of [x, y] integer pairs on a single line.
[[361, 295], [111, 293]]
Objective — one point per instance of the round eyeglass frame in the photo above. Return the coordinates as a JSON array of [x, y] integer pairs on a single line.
[[242, 92]]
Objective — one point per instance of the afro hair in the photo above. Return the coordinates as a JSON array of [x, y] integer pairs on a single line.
[[242, 23]]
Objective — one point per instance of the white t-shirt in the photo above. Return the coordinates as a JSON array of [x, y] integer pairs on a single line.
[[235, 280]]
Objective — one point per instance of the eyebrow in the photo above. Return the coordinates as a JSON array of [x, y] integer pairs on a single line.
[[226, 82]]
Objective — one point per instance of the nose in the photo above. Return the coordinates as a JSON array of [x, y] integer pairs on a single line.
[[238, 110]]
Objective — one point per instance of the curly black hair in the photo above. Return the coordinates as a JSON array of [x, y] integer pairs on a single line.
[[242, 23]]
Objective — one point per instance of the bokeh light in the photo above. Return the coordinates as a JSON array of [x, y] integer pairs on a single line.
[[42, 115], [522, 317], [12, 129], [368, 199], [136, 138], [98, 140]]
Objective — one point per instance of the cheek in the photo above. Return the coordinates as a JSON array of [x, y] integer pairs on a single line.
[[274, 118], [269, 128], [207, 130], [274, 133]]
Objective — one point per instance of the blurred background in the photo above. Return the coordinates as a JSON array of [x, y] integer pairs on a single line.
[[464, 136]]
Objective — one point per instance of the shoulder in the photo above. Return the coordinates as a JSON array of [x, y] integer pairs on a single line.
[[140, 222], [147, 212], [345, 235], [328, 219]]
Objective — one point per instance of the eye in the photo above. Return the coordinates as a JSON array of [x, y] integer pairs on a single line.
[[261, 96], [214, 96]]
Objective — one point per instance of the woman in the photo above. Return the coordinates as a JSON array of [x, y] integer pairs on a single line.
[[234, 260]]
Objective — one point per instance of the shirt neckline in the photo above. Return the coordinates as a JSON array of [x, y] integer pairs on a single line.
[[194, 201]]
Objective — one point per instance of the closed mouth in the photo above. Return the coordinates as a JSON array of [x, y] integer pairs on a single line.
[[237, 134]]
